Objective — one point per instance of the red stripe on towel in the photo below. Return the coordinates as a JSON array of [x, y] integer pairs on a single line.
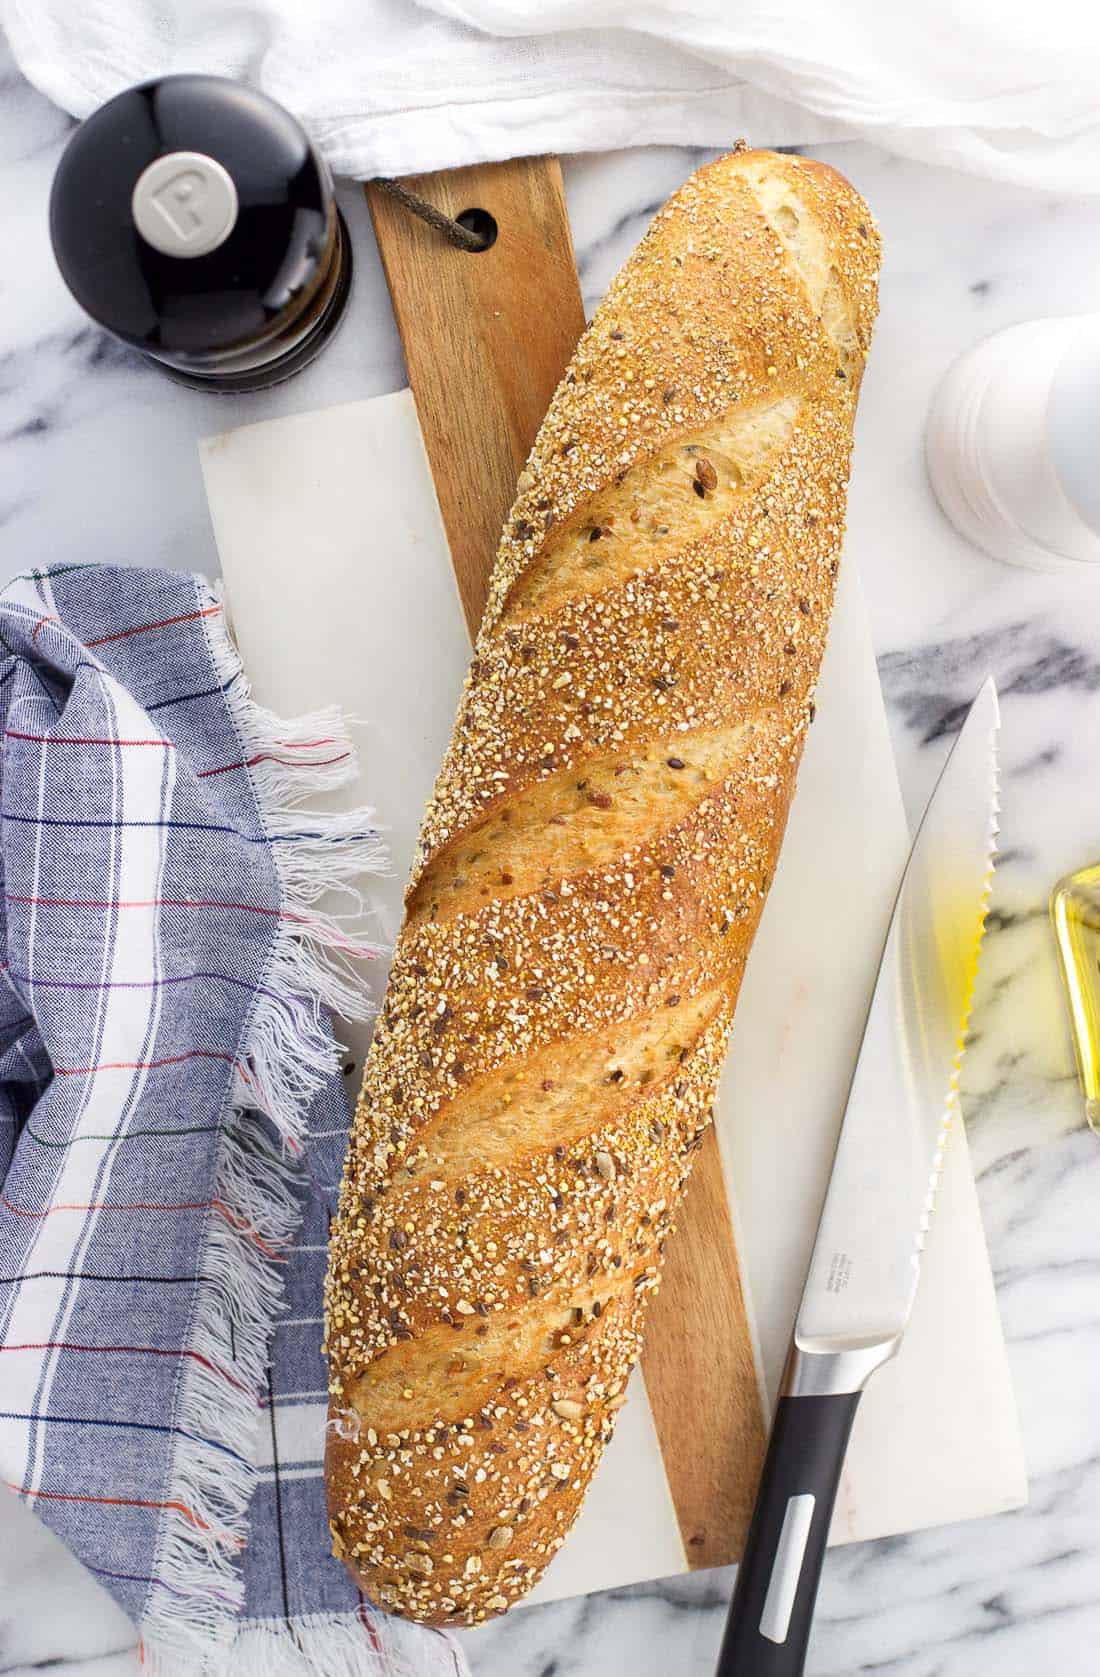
[[162, 623], [129, 1350]]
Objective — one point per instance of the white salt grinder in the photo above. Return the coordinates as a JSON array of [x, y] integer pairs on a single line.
[[1013, 445]]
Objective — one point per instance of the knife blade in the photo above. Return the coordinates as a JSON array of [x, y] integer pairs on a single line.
[[865, 1264]]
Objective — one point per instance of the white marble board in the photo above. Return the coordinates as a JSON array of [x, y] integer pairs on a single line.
[[340, 590]]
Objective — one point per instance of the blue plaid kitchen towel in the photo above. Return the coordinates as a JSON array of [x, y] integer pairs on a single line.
[[172, 1125]]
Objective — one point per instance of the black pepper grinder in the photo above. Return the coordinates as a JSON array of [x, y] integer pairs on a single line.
[[191, 217]]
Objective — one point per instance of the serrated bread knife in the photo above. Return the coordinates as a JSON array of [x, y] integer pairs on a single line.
[[866, 1259]]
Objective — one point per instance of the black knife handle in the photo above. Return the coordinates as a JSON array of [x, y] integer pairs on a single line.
[[773, 1601]]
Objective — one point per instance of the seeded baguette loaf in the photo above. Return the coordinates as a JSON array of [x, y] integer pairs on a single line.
[[589, 877]]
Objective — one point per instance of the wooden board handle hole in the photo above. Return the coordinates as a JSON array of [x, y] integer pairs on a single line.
[[482, 225]]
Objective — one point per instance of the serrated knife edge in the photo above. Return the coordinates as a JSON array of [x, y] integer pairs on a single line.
[[953, 1103], [863, 1272]]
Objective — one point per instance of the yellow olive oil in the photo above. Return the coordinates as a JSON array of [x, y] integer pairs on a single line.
[[1075, 910]]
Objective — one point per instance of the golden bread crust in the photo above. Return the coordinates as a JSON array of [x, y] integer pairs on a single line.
[[591, 871]]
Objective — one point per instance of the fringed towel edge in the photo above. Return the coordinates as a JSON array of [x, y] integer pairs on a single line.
[[321, 1645], [191, 1622]]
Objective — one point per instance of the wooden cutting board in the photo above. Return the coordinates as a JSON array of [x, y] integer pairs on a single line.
[[487, 336]]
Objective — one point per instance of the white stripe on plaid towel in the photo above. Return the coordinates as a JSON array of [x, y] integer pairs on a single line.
[[125, 1017], [299, 1436]]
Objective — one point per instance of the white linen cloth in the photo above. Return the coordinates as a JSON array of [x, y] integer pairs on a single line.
[[1004, 88]]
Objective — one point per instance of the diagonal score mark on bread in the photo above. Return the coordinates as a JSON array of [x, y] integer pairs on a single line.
[[576, 820], [806, 245], [591, 870], [623, 942], [558, 1095], [466, 1373], [686, 487]]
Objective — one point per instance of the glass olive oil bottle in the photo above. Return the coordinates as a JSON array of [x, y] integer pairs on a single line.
[[1075, 910]]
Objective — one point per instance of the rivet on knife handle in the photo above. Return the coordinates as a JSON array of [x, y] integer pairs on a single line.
[[773, 1604]]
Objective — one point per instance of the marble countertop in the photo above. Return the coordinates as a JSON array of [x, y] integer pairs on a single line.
[[99, 461]]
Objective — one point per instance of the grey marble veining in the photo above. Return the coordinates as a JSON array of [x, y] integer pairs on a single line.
[[98, 460]]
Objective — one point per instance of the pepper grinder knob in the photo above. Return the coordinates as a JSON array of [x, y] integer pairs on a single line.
[[191, 218]]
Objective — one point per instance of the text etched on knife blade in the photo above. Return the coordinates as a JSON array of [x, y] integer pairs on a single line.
[[840, 1273]]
